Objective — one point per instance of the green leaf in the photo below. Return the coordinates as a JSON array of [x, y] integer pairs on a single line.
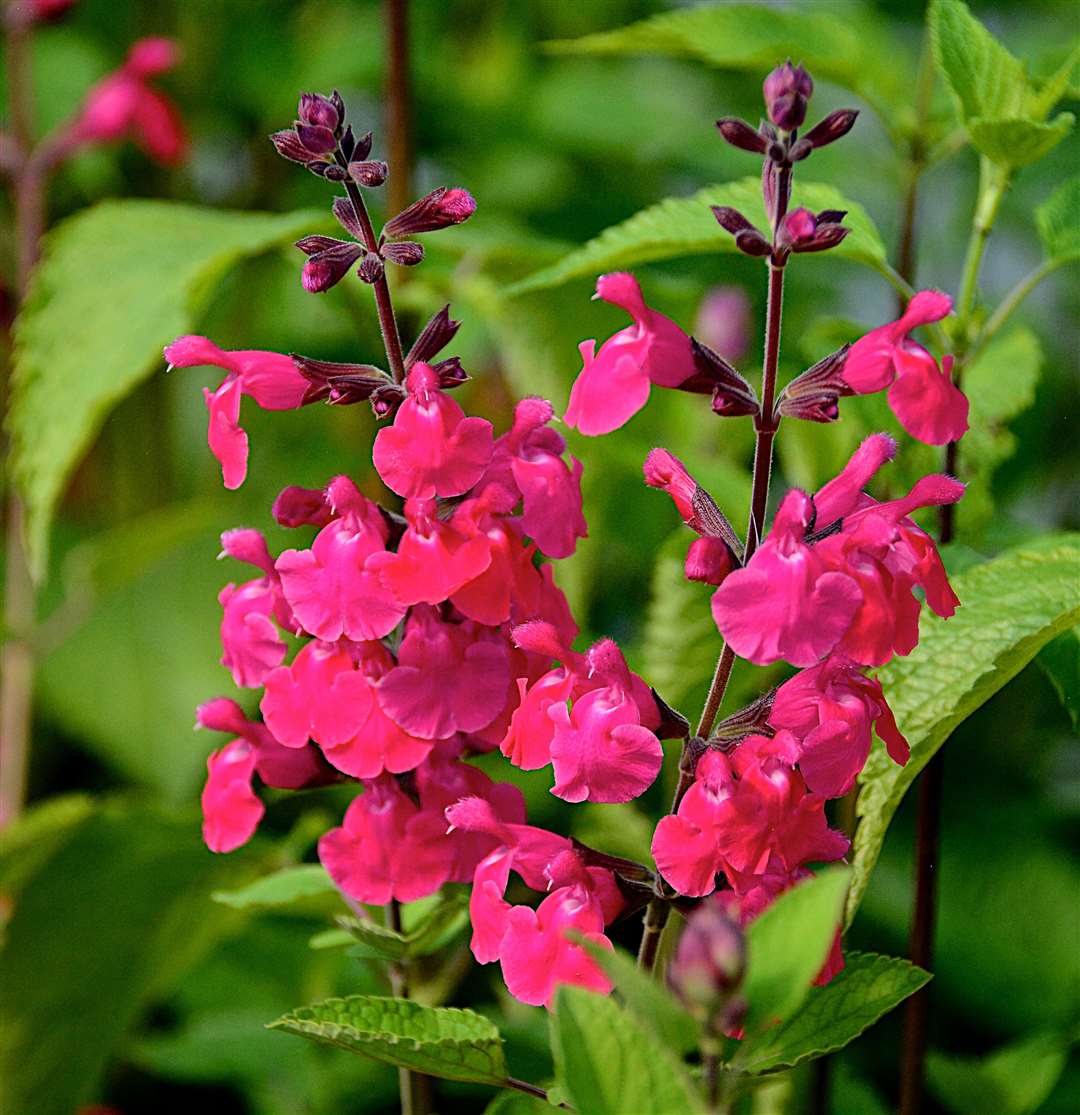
[[788, 944], [283, 888], [850, 50], [31, 840], [987, 80], [112, 918], [1056, 220], [1018, 142], [440, 1041], [1051, 90], [372, 939], [834, 1015], [648, 1000], [1011, 608], [1060, 661], [442, 923], [603, 1057], [1013, 1081], [116, 283], [685, 226]]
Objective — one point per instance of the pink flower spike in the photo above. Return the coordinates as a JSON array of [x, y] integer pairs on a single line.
[[614, 382], [869, 364], [844, 493], [252, 645], [231, 811], [926, 402], [665, 471], [785, 603], [298, 507], [227, 441]]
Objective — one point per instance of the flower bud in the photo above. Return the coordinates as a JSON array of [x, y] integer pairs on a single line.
[[361, 148], [316, 139], [751, 242], [288, 146], [369, 172], [799, 225], [326, 269], [787, 90], [372, 269], [708, 560], [405, 253], [709, 966], [335, 173], [730, 220], [433, 338], [832, 128], [318, 111], [439, 209], [739, 134]]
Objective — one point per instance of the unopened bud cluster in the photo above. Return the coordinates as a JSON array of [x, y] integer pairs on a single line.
[[709, 966]]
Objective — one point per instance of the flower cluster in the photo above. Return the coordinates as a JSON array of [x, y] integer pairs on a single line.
[[396, 641]]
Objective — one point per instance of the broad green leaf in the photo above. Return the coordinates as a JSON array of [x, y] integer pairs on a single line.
[[603, 1058], [30, 841], [1060, 661], [834, 1015], [1051, 90], [788, 944], [1056, 220], [286, 887], [443, 922], [1018, 142], [372, 939], [1011, 607], [849, 49], [680, 642], [1013, 1081], [685, 226], [116, 283], [987, 80], [440, 1041], [517, 1103], [118, 911], [647, 999]]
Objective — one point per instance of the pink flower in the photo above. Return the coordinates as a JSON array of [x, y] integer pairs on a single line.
[[124, 104], [231, 811], [527, 462], [432, 449], [923, 397], [743, 810], [449, 678], [786, 603], [271, 379], [334, 588], [724, 322], [831, 708], [614, 383], [535, 952]]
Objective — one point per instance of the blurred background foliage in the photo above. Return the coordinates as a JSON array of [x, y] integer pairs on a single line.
[[136, 989]]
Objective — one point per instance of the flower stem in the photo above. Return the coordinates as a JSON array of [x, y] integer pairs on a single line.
[[656, 914], [413, 1087], [1010, 303], [383, 304]]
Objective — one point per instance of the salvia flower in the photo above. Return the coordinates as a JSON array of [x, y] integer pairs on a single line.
[[441, 208], [787, 92]]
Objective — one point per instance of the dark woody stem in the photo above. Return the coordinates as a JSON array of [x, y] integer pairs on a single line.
[[656, 914], [383, 304]]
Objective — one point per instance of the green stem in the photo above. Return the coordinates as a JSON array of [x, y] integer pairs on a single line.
[[1010, 303], [993, 183]]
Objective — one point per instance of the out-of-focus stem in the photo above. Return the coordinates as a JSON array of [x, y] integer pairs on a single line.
[[398, 104], [916, 164]]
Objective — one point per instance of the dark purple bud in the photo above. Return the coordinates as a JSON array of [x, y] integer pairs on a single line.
[[673, 725], [709, 965], [450, 372], [440, 209], [372, 269], [288, 146], [328, 268], [318, 111], [312, 245], [386, 399], [369, 172], [750, 242], [341, 383], [318, 167], [406, 253], [799, 151], [348, 143], [787, 90], [739, 134], [730, 219], [708, 561], [362, 149], [753, 718], [339, 106], [346, 217], [713, 374], [826, 237], [434, 337], [832, 128], [316, 139], [335, 173], [813, 396], [831, 216], [777, 152]]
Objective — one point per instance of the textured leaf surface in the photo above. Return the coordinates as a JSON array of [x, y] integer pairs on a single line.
[[850, 50], [440, 1041], [111, 917], [1018, 142], [647, 999], [283, 888], [1056, 220], [685, 226], [869, 986], [1011, 608], [1013, 1081], [604, 1060], [1060, 661], [788, 944], [116, 283]]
